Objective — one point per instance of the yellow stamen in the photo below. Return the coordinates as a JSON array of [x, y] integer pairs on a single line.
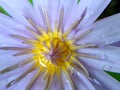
[[79, 64], [75, 47], [82, 35], [21, 76], [61, 19], [23, 53], [10, 68], [73, 26], [34, 78], [32, 32], [25, 39], [45, 12], [68, 74]]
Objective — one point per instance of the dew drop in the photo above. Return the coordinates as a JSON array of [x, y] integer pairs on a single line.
[[29, 74], [92, 12], [103, 56], [67, 81], [107, 42], [96, 81], [107, 67], [13, 83], [10, 84], [104, 39], [83, 43], [78, 73]]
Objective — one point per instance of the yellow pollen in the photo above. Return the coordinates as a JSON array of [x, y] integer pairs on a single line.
[[51, 52]]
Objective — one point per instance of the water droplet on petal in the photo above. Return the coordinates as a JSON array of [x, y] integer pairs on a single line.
[[107, 42], [92, 12], [103, 36], [89, 13], [67, 81], [104, 39], [78, 73], [107, 67], [96, 81], [29, 74], [83, 43], [103, 56], [11, 83]]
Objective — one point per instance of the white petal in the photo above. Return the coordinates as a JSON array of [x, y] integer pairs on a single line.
[[15, 8], [8, 25], [97, 86], [71, 10], [39, 16], [21, 6], [7, 58], [82, 82], [39, 83], [94, 9], [109, 57], [108, 53], [18, 71], [21, 85], [106, 80], [7, 40], [66, 83], [6, 80], [20, 10], [100, 65], [56, 83], [8, 21], [105, 31], [53, 8]]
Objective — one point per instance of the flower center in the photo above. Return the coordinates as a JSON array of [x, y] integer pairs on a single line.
[[52, 50]]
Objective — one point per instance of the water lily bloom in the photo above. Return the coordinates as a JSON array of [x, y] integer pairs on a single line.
[[58, 45]]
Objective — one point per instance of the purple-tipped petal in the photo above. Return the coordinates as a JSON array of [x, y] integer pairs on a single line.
[[94, 9], [105, 80], [108, 58], [104, 32]]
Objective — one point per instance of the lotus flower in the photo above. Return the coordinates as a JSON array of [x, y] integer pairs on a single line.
[[58, 45]]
